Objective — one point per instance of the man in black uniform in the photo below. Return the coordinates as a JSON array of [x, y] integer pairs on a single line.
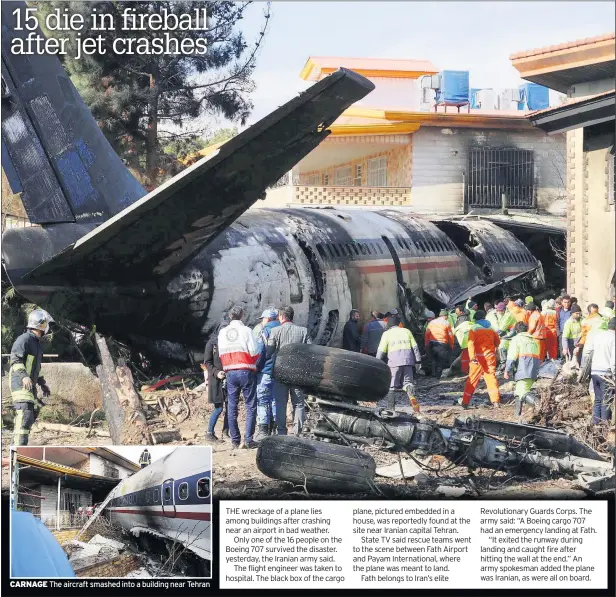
[[24, 369], [145, 459]]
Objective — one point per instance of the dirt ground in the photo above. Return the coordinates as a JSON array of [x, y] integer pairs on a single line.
[[235, 473]]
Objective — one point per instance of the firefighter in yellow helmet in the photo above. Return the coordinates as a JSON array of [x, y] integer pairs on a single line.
[[24, 369], [145, 459]]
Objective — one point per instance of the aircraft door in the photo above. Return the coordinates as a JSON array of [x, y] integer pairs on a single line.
[[167, 498]]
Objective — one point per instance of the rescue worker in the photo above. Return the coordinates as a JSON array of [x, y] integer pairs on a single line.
[[453, 316], [24, 368], [438, 341], [216, 386], [256, 331], [571, 333], [608, 311], [488, 308], [528, 300], [502, 322], [592, 323], [399, 348], [523, 361], [537, 329], [287, 333], [603, 362], [517, 310], [371, 334], [482, 344], [461, 332], [550, 319], [564, 313], [394, 313], [471, 307], [351, 334], [239, 353], [145, 459], [266, 384]]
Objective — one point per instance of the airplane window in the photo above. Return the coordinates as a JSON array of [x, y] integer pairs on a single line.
[[321, 250], [335, 251], [400, 243], [356, 248], [406, 244], [156, 495], [167, 495], [183, 491], [148, 496], [203, 488], [363, 249], [378, 246]]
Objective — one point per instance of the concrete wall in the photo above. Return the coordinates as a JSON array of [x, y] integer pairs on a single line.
[[97, 467], [440, 156], [590, 220]]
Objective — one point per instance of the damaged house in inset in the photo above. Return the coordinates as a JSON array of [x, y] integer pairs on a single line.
[[60, 485]]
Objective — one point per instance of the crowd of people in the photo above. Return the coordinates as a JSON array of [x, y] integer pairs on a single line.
[[240, 360], [512, 338]]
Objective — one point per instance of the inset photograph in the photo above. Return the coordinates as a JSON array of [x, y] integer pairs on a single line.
[[111, 512]]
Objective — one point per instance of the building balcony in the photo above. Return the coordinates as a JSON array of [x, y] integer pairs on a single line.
[[334, 195]]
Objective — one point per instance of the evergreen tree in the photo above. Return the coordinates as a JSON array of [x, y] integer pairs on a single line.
[[144, 101]]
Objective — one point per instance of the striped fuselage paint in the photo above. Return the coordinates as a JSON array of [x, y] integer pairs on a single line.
[[182, 512]]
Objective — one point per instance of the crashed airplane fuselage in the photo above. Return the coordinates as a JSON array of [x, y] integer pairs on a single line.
[[159, 269]]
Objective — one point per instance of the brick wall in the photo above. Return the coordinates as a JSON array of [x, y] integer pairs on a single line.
[[398, 167], [117, 567], [69, 534], [440, 157]]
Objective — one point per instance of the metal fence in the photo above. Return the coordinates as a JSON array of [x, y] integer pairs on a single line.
[[494, 172]]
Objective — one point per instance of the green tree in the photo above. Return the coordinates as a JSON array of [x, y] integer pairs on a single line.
[[142, 101]]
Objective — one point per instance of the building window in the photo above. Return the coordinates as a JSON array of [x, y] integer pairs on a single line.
[[325, 180], [183, 491], [314, 180], [203, 488], [342, 176], [110, 471], [358, 175], [377, 172], [494, 172]]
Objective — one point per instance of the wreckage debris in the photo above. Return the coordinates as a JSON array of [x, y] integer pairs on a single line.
[[337, 425]]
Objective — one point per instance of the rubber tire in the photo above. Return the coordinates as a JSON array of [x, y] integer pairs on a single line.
[[320, 466], [332, 372], [584, 372]]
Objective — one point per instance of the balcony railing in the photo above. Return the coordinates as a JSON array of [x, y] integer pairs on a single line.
[[331, 195]]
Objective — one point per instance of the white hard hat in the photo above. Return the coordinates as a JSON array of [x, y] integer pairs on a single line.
[[39, 319]]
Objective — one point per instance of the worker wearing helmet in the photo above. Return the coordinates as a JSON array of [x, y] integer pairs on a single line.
[[145, 459], [24, 369]]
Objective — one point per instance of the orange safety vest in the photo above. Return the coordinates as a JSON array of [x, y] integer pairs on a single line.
[[550, 319], [482, 341], [588, 324], [439, 330], [536, 326]]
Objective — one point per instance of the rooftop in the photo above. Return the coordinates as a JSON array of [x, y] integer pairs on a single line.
[[317, 67], [578, 43]]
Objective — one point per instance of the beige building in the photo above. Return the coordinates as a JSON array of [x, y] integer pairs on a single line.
[[585, 71], [396, 147]]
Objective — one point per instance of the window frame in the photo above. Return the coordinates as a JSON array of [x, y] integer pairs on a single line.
[[377, 171], [183, 484], [348, 177], [209, 488]]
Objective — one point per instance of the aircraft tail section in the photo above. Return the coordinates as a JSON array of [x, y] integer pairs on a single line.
[[53, 152]]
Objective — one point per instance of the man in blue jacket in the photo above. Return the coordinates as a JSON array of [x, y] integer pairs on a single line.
[[266, 385]]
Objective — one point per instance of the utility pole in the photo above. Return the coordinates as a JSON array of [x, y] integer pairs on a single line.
[[58, 506]]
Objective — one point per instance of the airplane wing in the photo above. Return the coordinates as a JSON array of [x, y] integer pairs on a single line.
[[157, 233]]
